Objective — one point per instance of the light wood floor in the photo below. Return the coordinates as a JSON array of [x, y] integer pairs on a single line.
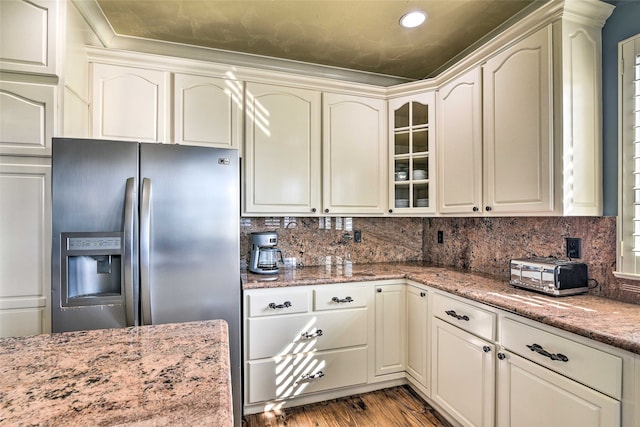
[[396, 406]]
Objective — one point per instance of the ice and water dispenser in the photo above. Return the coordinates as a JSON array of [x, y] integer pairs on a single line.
[[91, 269]]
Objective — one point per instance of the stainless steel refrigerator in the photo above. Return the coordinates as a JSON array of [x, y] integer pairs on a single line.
[[145, 234]]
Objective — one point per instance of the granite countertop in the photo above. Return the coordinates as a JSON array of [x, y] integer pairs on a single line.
[[604, 320], [173, 374]]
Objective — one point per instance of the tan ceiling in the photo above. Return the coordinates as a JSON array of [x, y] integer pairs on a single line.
[[357, 35]]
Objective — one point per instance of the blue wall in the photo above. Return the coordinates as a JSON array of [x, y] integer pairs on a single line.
[[623, 23]]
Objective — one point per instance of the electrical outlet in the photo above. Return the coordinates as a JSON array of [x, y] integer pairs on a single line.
[[440, 236], [357, 236], [574, 247]]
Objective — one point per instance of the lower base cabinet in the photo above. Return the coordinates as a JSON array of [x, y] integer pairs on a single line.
[[529, 394], [463, 374], [478, 365]]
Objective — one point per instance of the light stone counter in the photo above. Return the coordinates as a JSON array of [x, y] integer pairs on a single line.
[[604, 320], [159, 375]]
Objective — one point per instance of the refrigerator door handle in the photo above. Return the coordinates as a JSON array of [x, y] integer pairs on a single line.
[[145, 243], [129, 239]]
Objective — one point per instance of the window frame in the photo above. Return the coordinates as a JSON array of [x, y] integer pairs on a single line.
[[628, 250]]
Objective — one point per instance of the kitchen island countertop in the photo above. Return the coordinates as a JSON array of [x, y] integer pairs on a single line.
[[173, 374], [601, 319]]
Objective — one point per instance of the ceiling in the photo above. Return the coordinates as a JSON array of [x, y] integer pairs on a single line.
[[356, 35]]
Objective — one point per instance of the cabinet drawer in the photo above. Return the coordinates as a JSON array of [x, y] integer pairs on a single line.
[[587, 365], [284, 377], [337, 297], [272, 336], [271, 302], [465, 316]]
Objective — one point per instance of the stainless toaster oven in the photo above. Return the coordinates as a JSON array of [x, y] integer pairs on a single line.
[[549, 276]]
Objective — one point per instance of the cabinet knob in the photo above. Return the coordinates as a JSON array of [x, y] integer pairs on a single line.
[[487, 208], [326, 211], [390, 210], [486, 349], [501, 356], [423, 294], [378, 289], [475, 209], [313, 210]]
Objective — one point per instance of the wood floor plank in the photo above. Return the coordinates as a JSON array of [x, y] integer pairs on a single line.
[[391, 407]]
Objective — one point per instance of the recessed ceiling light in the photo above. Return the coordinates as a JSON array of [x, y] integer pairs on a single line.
[[413, 19]]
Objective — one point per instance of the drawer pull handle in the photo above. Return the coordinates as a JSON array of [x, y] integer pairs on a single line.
[[538, 349], [338, 300], [286, 304], [308, 336], [312, 377], [452, 313]]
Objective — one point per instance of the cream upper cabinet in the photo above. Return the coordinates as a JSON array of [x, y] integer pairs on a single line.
[[412, 154], [281, 163], [25, 246], [207, 111], [129, 103], [354, 157], [518, 140], [459, 151], [27, 118], [29, 35]]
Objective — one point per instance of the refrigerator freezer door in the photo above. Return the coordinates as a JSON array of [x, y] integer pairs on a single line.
[[193, 221], [88, 193]]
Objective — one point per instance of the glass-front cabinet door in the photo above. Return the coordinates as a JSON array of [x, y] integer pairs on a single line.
[[411, 154]]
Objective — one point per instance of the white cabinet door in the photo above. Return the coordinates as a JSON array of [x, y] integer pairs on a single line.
[[354, 168], [412, 169], [29, 35], [129, 103], [390, 329], [518, 97], [530, 395], [207, 111], [417, 335], [460, 145], [27, 118], [282, 150], [463, 374], [25, 246]]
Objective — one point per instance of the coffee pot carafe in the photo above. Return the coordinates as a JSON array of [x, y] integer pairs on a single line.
[[265, 254]]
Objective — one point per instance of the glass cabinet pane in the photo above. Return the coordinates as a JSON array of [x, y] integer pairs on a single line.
[[420, 115], [421, 195], [402, 196], [402, 143], [420, 141], [402, 117]]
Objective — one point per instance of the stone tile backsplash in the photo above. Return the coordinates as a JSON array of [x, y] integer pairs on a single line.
[[383, 239], [483, 245]]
